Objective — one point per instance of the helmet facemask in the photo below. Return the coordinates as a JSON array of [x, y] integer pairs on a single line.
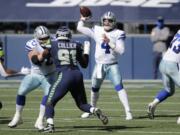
[[44, 41]]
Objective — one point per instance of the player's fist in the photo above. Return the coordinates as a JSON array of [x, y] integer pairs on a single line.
[[85, 13]]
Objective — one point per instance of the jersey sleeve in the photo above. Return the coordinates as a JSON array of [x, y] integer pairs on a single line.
[[122, 35], [30, 45], [85, 30], [120, 45]]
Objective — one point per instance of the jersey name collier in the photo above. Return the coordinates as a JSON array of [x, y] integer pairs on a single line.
[[66, 45]]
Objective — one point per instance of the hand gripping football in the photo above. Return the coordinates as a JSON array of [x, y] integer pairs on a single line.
[[85, 11]]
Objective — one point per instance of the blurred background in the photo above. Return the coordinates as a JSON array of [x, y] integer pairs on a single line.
[[18, 19]]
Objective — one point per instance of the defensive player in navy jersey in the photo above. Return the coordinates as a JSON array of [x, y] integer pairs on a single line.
[[66, 55]]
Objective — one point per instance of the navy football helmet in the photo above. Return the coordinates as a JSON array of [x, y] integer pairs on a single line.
[[63, 33]]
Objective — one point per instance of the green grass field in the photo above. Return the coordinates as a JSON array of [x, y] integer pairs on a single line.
[[68, 121]]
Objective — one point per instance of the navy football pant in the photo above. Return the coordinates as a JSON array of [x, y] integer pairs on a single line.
[[68, 80]]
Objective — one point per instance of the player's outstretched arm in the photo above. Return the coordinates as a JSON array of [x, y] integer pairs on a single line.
[[85, 14], [12, 73]]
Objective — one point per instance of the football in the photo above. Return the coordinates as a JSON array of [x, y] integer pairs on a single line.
[[85, 11]]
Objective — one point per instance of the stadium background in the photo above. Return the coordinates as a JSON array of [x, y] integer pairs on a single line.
[[135, 17], [17, 22]]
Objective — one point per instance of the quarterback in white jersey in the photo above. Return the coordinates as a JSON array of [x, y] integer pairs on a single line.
[[169, 68], [109, 44], [42, 74]]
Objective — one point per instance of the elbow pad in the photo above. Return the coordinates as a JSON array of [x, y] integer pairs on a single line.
[[35, 60]]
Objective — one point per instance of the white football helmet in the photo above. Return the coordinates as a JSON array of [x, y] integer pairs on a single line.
[[63, 33], [108, 21], [42, 34]]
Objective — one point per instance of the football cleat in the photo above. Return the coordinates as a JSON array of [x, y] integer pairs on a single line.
[[39, 125], [129, 116], [150, 111], [178, 120], [86, 115], [15, 121], [49, 128], [104, 119]]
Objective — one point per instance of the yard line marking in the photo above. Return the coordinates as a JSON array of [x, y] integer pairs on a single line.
[[93, 118], [105, 109], [103, 96], [99, 103], [93, 131], [137, 132]]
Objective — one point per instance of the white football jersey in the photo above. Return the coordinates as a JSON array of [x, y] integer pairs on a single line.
[[43, 69], [173, 52], [103, 53]]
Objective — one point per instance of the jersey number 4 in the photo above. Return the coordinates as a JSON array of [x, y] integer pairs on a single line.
[[106, 47]]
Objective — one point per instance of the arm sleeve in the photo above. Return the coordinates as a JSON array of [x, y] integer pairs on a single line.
[[85, 30]]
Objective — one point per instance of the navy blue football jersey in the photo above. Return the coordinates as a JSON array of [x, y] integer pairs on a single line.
[[66, 53]]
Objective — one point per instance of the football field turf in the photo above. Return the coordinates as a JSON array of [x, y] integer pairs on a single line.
[[68, 121]]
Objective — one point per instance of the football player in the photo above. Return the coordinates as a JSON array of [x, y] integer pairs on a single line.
[[42, 75], [169, 68], [109, 45], [66, 55]]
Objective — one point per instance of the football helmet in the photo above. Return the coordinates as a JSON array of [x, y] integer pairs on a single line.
[[63, 33], [42, 34], [108, 21]]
